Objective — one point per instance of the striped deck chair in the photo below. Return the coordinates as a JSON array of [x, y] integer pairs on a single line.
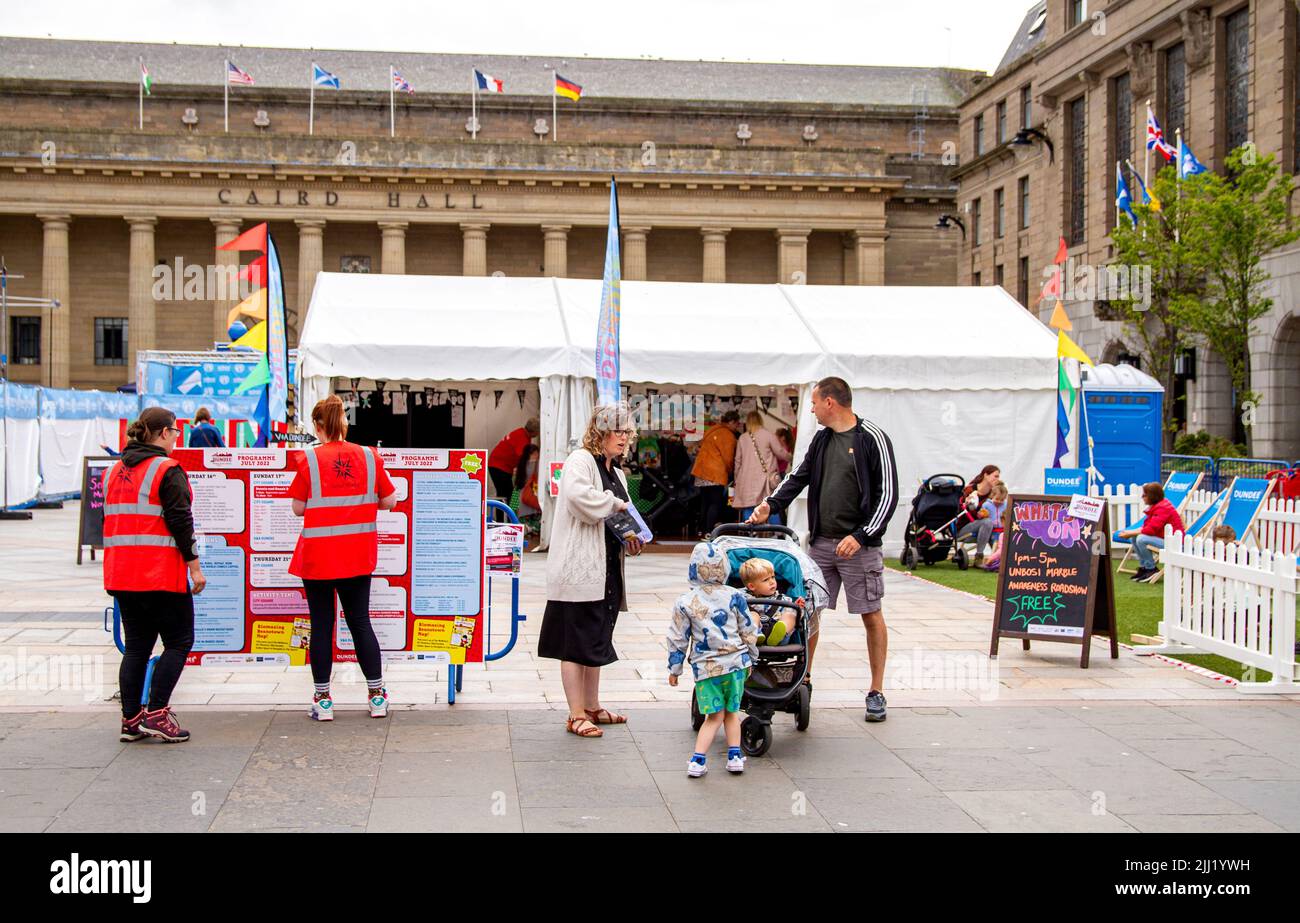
[[1237, 506], [1178, 487]]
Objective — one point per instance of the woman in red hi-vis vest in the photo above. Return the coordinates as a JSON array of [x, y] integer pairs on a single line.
[[150, 562], [339, 489]]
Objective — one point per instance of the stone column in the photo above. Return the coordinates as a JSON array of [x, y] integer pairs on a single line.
[[850, 270], [392, 258], [634, 241], [141, 327], [311, 259], [792, 256], [555, 250], [871, 256], [56, 326], [227, 262], [474, 261], [715, 254]]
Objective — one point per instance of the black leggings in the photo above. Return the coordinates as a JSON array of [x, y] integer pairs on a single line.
[[354, 594], [504, 482], [713, 507], [147, 615]]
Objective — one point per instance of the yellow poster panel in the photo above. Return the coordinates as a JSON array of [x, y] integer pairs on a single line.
[[278, 638], [440, 635]]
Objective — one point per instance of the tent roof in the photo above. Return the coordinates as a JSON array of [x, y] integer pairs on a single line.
[[457, 328]]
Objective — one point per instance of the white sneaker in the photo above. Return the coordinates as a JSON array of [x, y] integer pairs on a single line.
[[695, 770], [379, 704], [736, 764], [322, 709]]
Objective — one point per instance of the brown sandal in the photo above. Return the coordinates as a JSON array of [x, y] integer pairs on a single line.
[[574, 726], [605, 716]]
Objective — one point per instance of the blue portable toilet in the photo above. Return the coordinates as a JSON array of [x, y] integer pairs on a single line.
[[1124, 407]]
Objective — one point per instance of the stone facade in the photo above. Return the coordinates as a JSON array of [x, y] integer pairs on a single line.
[[1063, 65], [94, 208]]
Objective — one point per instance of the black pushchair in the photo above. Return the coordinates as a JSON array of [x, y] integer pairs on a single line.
[[776, 682], [931, 534]]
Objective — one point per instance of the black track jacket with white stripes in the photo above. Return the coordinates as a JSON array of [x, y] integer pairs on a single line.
[[873, 458]]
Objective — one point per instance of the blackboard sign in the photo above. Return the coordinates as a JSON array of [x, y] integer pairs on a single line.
[[91, 529], [1054, 578]]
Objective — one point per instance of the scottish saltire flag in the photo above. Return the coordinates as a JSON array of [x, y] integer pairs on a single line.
[[487, 83], [400, 84], [323, 78], [277, 339], [1123, 201], [1156, 137], [237, 77], [1190, 166], [608, 390]]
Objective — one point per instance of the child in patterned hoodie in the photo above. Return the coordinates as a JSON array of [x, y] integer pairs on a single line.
[[713, 625]]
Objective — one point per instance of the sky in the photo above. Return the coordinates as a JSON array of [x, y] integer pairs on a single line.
[[935, 33]]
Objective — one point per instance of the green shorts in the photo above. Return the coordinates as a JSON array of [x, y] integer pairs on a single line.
[[720, 693]]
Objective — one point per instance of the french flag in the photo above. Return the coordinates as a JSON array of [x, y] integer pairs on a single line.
[[487, 83]]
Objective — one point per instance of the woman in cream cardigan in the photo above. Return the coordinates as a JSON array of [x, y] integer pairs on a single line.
[[584, 568]]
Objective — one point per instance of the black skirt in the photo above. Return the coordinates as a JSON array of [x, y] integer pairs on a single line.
[[583, 632]]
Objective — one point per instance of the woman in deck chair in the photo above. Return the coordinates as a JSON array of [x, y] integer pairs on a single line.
[[1151, 535]]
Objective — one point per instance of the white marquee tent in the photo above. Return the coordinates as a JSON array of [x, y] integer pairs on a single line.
[[958, 377]]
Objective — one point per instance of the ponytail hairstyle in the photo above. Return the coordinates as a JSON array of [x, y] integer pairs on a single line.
[[328, 415], [150, 424]]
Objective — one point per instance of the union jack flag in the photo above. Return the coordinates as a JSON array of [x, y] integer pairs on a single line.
[[400, 84], [235, 76], [1156, 138]]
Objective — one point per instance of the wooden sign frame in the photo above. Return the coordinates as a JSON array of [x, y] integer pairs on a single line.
[[86, 465], [1099, 611]]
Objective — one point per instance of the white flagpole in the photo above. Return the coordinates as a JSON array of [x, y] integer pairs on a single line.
[[392, 105], [140, 80], [225, 80], [1178, 180], [1146, 157], [311, 107], [473, 103], [555, 119]]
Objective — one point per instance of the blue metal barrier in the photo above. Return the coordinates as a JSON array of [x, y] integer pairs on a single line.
[[456, 672], [1228, 468], [1193, 463], [116, 630]]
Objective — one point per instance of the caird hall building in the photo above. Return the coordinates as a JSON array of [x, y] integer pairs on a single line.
[[732, 172]]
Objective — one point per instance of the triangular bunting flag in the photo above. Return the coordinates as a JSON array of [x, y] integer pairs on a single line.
[[254, 272], [261, 375], [252, 239], [254, 339], [1063, 383], [1060, 320], [1066, 348], [1062, 252], [253, 306]]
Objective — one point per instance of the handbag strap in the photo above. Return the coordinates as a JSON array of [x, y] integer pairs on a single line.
[[761, 463]]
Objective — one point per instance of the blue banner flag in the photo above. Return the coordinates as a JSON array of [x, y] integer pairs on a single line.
[[1123, 201], [607, 359], [277, 338], [1189, 165]]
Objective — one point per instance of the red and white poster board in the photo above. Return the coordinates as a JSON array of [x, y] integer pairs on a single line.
[[427, 594]]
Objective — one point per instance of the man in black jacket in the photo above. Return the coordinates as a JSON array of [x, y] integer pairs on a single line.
[[852, 491]]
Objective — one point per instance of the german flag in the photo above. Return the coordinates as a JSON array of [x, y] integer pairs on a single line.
[[567, 88]]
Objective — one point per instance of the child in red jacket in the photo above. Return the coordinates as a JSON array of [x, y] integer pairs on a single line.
[[1160, 513]]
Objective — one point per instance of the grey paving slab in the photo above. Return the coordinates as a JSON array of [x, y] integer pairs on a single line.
[[28, 748], [115, 808], [453, 814], [987, 769], [469, 773], [1037, 812], [455, 715], [545, 742], [37, 793], [763, 792], [811, 822], [443, 738], [24, 824], [586, 784], [1139, 784], [602, 820], [1219, 759], [1278, 802], [805, 757], [1200, 823], [886, 805]]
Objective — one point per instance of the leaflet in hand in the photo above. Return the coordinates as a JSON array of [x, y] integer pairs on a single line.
[[629, 524]]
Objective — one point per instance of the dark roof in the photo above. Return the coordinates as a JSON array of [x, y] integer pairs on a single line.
[[723, 81], [1025, 41]]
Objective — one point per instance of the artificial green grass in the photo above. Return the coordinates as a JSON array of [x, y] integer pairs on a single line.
[[1138, 607]]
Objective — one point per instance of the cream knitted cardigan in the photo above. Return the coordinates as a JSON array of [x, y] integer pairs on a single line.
[[575, 564]]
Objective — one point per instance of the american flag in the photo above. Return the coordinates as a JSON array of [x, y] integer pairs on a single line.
[[1156, 138], [237, 77], [400, 84]]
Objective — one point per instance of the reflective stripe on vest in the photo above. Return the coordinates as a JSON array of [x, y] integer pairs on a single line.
[[317, 501], [119, 541], [356, 528]]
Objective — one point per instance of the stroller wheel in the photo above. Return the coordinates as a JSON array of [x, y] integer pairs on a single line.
[[697, 720], [962, 558], [905, 558], [755, 736], [804, 697]]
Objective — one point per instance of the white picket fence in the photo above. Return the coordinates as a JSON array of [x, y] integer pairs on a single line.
[[1234, 601], [1277, 527]]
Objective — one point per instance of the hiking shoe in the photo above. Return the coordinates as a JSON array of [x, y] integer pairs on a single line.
[[379, 704], [875, 706], [162, 724], [695, 769], [777, 634], [131, 728], [322, 707], [1143, 573], [736, 764]]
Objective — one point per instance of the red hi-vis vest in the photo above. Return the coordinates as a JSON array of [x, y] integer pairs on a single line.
[[139, 551], [339, 538]]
